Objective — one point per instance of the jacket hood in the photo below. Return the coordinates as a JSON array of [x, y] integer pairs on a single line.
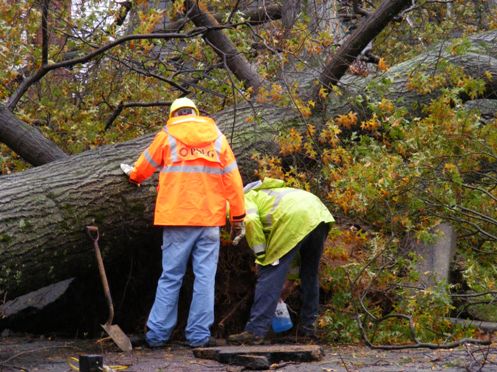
[[267, 183], [193, 130]]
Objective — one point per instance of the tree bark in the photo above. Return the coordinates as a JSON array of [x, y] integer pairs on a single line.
[[289, 14]]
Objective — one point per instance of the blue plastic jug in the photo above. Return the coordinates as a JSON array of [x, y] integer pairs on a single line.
[[281, 320]]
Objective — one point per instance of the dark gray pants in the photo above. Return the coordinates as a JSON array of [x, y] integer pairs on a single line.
[[271, 279]]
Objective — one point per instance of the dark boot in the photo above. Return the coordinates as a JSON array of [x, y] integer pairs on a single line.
[[245, 338]]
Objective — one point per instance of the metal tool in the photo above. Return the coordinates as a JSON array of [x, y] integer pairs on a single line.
[[114, 331]]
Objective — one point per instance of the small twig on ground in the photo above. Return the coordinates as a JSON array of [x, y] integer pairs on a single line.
[[204, 364], [343, 362], [481, 363], [281, 365], [233, 310], [103, 339], [13, 366], [473, 359], [3, 362]]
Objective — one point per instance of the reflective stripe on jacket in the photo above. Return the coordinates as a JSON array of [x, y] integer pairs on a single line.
[[279, 217], [198, 174]]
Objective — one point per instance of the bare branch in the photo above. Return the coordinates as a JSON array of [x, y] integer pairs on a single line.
[[476, 215], [154, 75], [124, 105], [205, 75], [481, 190], [235, 8], [468, 295], [463, 221], [44, 32], [409, 9], [40, 73], [358, 10], [486, 326]]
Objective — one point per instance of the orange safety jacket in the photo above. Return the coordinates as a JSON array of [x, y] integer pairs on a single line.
[[198, 174]]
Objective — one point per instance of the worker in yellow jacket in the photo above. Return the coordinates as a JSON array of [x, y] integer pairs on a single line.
[[280, 223], [198, 175]]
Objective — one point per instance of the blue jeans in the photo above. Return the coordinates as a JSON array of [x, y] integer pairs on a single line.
[[179, 242], [271, 279]]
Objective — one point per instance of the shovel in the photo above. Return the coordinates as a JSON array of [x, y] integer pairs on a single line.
[[114, 331]]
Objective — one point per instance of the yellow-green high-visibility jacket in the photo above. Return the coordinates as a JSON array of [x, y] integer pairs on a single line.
[[279, 217]]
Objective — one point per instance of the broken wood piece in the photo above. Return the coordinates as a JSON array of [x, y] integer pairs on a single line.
[[36, 300], [260, 356]]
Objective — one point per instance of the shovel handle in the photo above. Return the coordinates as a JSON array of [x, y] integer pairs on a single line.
[[94, 235]]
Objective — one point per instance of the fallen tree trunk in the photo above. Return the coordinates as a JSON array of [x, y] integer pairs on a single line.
[[43, 211]]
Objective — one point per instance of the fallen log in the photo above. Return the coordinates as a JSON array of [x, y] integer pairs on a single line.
[[44, 210]]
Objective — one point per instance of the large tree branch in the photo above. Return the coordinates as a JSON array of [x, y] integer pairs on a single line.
[[236, 62], [26, 140], [254, 17], [367, 30]]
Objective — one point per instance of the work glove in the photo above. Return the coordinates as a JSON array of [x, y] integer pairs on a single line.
[[237, 231], [127, 169]]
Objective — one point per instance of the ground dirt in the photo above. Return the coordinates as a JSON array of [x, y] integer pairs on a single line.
[[28, 353]]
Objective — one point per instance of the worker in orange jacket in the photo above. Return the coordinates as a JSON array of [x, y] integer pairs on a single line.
[[198, 175]]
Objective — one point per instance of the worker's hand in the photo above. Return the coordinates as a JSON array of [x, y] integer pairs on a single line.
[[237, 231], [127, 169]]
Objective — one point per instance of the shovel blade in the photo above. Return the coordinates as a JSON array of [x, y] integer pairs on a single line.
[[118, 336]]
